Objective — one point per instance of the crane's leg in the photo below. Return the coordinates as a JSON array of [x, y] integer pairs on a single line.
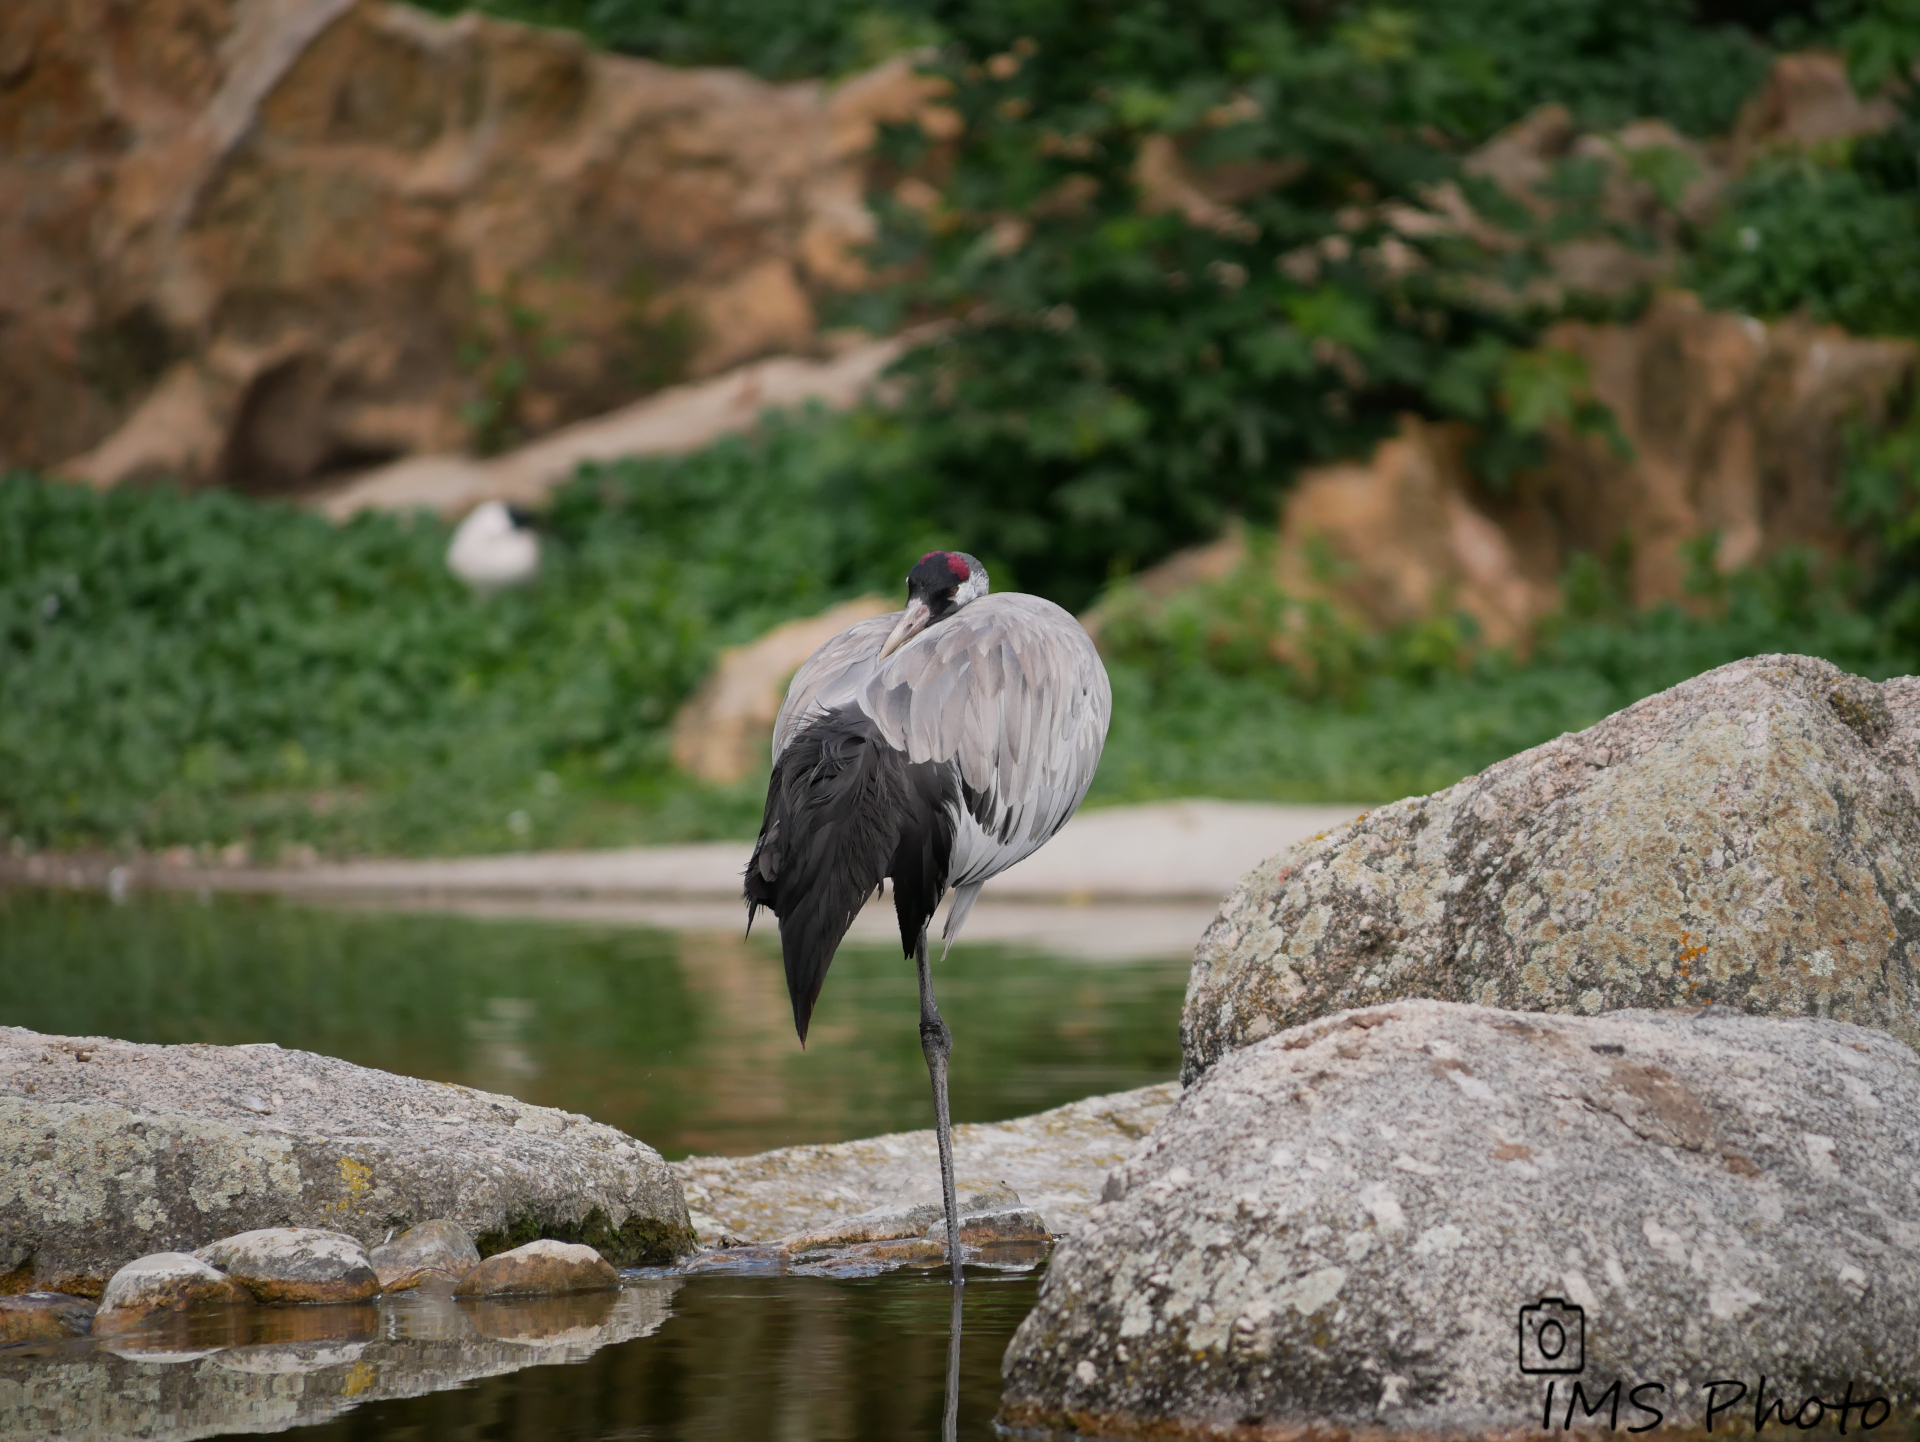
[[950, 1419], [936, 1042]]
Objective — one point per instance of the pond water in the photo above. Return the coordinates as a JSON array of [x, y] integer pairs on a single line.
[[682, 1039]]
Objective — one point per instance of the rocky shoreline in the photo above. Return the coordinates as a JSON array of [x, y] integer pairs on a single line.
[[1419, 1121]]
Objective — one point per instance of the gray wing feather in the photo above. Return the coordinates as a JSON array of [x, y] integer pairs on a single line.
[[1012, 689], [1009, 687], [831, 675]]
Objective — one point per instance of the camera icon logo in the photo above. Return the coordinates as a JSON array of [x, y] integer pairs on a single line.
[[1553, 1337]]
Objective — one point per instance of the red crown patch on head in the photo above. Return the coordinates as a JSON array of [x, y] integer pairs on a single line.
[[956, 563]]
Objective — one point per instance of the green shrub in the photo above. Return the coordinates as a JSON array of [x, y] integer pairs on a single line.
[[1124, 382], [190, 668], [199, 668], [1233, 690], [1829, 240]]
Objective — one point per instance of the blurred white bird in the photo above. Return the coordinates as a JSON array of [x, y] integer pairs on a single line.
[[494, 548]]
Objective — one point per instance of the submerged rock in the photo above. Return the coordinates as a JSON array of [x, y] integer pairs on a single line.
[[163, 1282], [909, 1217], [435, 1251], [997, 1229], [542, 1268], [1750, 837], [994, 1227], [1337, 1229], [111, 1150], [44, 1317], [295, 1264], [1055, 1160]]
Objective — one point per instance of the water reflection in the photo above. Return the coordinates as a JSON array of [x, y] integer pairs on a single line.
[[707, 1359], [221, 1370], [748, 1360], [684, 1040]]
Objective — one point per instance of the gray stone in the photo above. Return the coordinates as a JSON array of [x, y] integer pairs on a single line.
[[43, 1317], [1055, 1160], [993, 1228], [1749, 838], [406, 1347], [295, 1264], [543, 1268], [435, 1251], [164, 1282], [996, 1229], [906, 1217], [1335, 1231], [111, 1150]]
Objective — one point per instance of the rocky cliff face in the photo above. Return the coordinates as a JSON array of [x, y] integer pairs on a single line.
[[1734, 432], [252, 242]]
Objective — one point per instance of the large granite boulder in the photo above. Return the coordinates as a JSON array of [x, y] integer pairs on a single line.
[[111, 1150], [1749, 837], [1336, 1231]]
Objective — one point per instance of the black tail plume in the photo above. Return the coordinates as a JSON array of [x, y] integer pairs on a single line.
[[844, 810]]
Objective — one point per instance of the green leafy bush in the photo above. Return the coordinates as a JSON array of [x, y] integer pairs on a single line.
[[1235, 690], [199, 669], [189, 668], [1831, 240], [1125, 381]]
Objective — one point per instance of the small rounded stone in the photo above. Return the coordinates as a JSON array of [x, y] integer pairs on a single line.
[[44, 1317], [540, 1268], [295, 1264], [163, 1282], [435, 1251]]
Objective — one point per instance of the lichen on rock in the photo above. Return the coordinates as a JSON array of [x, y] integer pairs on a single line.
[[111, 1150], [1334, 1232], [1749, 837]]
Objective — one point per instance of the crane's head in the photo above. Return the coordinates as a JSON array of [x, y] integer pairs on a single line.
[[940, 583]]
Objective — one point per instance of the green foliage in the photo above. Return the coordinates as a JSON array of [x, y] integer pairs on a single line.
[[778, 39], [1880, 498], [178, 669], [1234, 690], [1120, 379], [1880, 38], [1839, 241], [1610, 62], [1123, 381]]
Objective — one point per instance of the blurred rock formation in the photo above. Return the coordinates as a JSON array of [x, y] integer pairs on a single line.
[[256, 242], [1734, 432], [722, 732]]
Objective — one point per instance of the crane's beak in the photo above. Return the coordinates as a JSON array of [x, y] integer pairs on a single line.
[[912, 622]]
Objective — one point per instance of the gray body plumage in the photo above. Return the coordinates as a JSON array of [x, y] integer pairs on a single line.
[[1009, 690], [936, 746]]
